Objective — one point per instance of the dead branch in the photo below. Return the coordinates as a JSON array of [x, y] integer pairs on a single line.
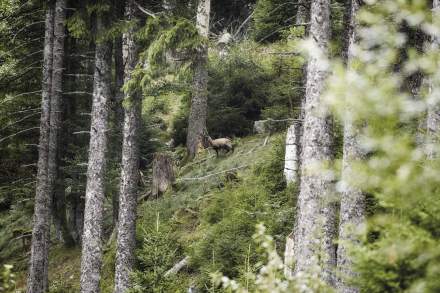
[[17, 133], [144, 10], [20, 120], [177, 267]]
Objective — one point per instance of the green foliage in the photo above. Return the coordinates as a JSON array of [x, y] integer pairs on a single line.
[[229, 215], [270, 18], [399, 250], [156, 256], [270, 277], [7, 279]]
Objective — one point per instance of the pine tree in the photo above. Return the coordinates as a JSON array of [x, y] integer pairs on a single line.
[[91, 258], [199, 101], [38, 269], [352, 210], [315, 228], [126, 237]]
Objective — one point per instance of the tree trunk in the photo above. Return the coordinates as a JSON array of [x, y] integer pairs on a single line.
[[126, 236], [316, 218], [38, 268], [433, 119], [93, 215], [291, 161], [56, 186], [199, 102], [352, 210], [118, 95], [302, 12], [163, 173]]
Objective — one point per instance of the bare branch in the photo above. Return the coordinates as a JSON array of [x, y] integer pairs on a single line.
[[17, 133], [18, 121], [78, 93], [144, 10], [81, 132]]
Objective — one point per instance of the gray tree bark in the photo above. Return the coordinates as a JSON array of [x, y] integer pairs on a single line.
[[302, 12], [199, 100], [315, 228], [352, 210], [433, 119], [163, 173], [37, 281], [126, 235], [118, 95], [91, 259], [59, 201]]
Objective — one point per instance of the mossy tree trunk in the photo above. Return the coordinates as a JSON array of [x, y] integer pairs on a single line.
[[315, 228], [199, 101], [37, 281], [126, 233], [91, 260]]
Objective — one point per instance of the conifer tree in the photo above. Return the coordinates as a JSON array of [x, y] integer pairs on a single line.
[[126, 237], [38, 270], [315, 226], [91, 258], [199, 101], [352, 210]]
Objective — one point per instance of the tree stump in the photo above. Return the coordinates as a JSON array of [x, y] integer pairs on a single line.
[[163, 173]]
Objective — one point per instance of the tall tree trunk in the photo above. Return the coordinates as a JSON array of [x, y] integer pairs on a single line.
[[433, 119], [292, 163], [93, 216], [56, 188], [352, 210], [316, 218], [199, 101], [118, 95], [126, 237], [38, 268]]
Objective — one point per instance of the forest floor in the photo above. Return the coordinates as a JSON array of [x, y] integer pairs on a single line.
[[194, 183]]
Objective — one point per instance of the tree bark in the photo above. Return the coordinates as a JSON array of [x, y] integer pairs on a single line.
[[433, 119], [93, 215], [302, 12], [199, 102], [163, 173], [56, 186], [38, 268], [315, 229], [118, 95], [291, 160], [352, 210], [126, 236]]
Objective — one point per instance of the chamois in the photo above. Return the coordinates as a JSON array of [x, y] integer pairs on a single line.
[[220, 143]]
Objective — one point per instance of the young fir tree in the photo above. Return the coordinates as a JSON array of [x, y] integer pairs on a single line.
[[199, 101], [316, 216], [91, 258], [126, 229], [38, 270]]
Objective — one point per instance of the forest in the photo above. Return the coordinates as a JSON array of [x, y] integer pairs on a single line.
[[215, 146]]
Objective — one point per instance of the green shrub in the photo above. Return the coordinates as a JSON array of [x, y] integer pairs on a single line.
[[229, 216]]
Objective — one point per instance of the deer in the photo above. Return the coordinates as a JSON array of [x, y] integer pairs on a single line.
[[224, 143]]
